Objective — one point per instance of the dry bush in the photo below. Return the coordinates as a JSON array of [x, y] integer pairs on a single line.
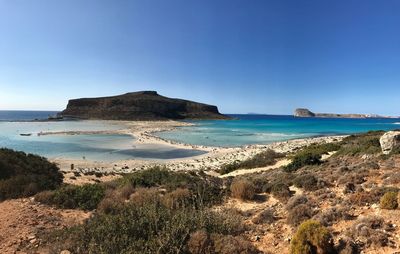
[[242, 189], [178, 198], [144, 196], [333, 215], [200, 243], [354, 178], [110, 205], [44, 197], [361, 198], [378, 192], [125, 191], [391, 178], [369, 231], [227, 244], [325, 193], [389, 201], [295, 201], [308, 182], [259, 182], [280, 191], [266, 216], [347, 246], [299, 213], [311, 237]]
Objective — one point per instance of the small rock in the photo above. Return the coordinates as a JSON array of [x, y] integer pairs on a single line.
[[65, 252]]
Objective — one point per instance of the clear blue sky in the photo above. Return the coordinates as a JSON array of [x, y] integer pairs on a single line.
[[263, 56]]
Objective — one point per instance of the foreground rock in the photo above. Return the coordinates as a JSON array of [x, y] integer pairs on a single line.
[[146, 105], [390, 141]]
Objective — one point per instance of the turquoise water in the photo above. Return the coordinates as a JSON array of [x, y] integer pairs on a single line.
[[264, 129], [247, 129], [95, 147]]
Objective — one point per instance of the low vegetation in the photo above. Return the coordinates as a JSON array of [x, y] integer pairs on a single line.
[[311, 237], [311, 155], [156, 216], [242, 189], [263, 159], [389, 201], [85, 197], [24, 175], [359, 144]]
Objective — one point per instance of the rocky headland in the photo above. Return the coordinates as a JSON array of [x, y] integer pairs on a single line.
[[145, 105], [304, 112]]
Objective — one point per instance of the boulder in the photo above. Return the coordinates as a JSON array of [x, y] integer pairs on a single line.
[[390, 141]]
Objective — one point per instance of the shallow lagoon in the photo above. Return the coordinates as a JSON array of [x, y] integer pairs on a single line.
[[96, 147]]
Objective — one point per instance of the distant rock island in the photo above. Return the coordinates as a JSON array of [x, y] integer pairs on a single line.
[[303, 112], [144, 105]]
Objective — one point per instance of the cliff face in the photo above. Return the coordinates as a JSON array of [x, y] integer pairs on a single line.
[[303, 112], [146, 105]]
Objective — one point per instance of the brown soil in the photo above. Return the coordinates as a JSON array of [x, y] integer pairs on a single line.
[[23, 220]]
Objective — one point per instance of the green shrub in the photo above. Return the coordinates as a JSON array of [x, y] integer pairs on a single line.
[[148, 228], [23, 175], [303, 159], [85, 197], [157, 177], [311, 155], [311, 237], [262, 159], [389, 201], [242, 189], [365, 143]]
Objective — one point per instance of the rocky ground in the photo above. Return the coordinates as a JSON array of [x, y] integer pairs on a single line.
[[343, 192], [23, 221]]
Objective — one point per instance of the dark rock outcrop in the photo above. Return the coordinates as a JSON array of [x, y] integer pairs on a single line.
[[303, 112], [146, 105]]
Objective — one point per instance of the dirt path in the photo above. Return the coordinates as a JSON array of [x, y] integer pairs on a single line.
[[22, 220]]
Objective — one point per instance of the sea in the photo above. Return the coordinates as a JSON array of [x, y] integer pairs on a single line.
[[242, 130], [263, 129]]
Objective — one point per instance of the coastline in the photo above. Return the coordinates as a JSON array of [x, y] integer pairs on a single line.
[[143, 133]]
